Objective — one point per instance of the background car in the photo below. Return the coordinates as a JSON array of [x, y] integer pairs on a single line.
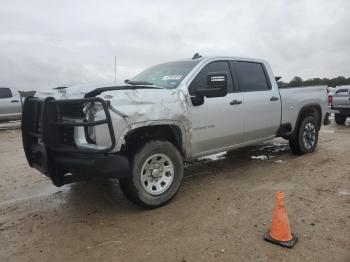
[[339, 103], [10, 104]]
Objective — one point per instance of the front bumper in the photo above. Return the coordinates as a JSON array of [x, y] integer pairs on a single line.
[[48, 127]]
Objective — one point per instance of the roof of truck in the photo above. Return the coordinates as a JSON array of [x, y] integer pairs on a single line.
[[206, 58]]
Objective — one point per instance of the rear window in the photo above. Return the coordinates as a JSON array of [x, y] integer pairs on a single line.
[[5, 92], [251, 76], [344, 90]]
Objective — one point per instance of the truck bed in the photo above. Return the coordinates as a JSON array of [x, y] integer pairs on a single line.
[[295, 98]]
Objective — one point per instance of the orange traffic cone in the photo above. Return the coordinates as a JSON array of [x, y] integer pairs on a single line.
[[280, 232]]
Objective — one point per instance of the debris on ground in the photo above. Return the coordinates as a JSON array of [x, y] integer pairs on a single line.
[[279, 161], [261, 157], [213, 157]]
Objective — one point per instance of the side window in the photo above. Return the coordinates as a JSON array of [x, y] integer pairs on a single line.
[[251, 76], [200, 80], [345, 91], [5, 92]]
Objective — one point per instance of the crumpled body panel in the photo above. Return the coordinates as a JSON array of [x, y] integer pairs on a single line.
[[134, 108], [146, 107]]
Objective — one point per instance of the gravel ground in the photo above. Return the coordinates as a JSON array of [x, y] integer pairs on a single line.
[[220, 213]]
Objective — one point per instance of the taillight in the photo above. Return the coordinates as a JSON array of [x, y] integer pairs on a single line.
[[330, 100]]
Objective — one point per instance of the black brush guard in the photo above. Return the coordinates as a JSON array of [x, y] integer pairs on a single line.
[[48, 127]]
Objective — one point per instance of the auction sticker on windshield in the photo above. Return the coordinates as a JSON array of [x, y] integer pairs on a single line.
[[172, 77]]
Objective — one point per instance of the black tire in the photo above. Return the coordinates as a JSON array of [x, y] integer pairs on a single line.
[[132, 187], [293, 144], [340, 119], [123, 184], [308, 128]]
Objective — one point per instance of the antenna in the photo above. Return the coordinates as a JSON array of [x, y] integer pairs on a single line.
[[115, 69]]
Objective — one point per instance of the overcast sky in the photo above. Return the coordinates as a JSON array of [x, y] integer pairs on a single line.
[[47, 43]]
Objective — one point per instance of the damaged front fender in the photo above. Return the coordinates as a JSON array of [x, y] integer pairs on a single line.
[[148, 107]]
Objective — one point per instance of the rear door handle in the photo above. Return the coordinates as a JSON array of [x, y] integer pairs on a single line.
[[274, 98], [235, 102], [14, 101]]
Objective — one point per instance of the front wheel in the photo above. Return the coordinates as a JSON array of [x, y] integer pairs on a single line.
[[156, 174], [306, 137]]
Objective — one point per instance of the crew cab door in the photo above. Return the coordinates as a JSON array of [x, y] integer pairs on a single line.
[[218, 122], [262, 105]]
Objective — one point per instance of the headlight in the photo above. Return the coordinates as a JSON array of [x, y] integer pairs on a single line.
[[91, 110], [97, 108]]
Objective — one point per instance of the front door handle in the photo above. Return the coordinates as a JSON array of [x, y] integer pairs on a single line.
[[274, 98], [235, 102]]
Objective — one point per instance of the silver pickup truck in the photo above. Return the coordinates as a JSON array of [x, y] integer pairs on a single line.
[[10, 104], [143, 131], [339, 102]]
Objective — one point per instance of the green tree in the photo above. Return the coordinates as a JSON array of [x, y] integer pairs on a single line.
[[333, 82], [296, 81]]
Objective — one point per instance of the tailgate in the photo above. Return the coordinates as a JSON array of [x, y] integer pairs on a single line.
[[341, 100]]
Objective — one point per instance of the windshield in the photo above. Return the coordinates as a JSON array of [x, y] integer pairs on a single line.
[[168, 75]]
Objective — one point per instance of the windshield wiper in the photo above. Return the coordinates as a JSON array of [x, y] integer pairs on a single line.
[[138, 83]]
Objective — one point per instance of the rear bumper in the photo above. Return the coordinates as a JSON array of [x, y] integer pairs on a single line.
[[48, 127], [341, 110]]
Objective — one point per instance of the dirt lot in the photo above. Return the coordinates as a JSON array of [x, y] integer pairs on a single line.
[[220, 213]]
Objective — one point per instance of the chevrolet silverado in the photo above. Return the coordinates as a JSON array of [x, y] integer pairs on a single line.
[[143, 131]]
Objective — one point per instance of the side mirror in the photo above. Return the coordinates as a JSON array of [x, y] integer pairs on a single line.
[[216, 85], [277, 78]]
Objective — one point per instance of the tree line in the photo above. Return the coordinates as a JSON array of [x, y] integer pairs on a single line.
[[333, 82]]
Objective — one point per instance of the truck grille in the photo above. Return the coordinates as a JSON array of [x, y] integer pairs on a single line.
[[48, 127]]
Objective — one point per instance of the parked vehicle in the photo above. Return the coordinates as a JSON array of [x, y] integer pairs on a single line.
[[339, 102], [143, 131], [10, 104]]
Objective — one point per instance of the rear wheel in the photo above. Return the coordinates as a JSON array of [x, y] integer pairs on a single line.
[[339, 119], [156, 174], [306, 137]]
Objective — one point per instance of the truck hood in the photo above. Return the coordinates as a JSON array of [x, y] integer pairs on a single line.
[[148, 104], [134, 104], [77, 91]]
